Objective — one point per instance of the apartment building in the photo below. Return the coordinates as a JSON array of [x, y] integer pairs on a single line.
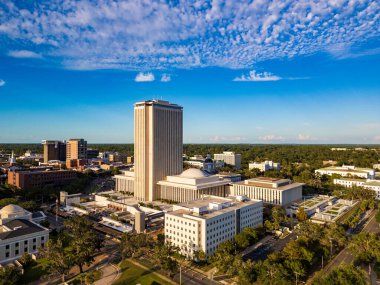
[[54, 150], [348, 170], [265, 166]]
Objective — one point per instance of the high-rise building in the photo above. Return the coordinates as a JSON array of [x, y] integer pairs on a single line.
[[158, 146], [76, 149], [54, 150], [229, 157]]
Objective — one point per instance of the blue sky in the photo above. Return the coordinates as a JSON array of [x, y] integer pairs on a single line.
[[244, 71]]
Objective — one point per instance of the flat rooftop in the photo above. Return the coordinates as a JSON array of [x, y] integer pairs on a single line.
[[228, 204], [272, 183], [346, 169]]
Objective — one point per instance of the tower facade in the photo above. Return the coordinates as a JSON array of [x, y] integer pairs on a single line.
[[158, 145], [54, 150], [76, 149]]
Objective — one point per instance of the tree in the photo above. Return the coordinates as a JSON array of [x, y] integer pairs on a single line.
[[131, 243], [59, 260], [224, 255], [301, 215], [345, 274], [84, 241], [247, 273], [365, 247], [9, 275], [26, 259]]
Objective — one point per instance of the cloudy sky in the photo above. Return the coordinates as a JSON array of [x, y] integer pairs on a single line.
[[289, 71]]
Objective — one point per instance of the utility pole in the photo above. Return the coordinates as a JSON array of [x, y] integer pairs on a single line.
[[56, 210], [322, 261], [180, 274]]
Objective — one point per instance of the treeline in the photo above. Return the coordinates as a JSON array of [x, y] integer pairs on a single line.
[[312, 155]]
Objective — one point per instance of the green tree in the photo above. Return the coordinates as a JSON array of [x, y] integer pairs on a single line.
[[365, 247], [345, 274], [301, 215], [26, 259], [59, 260], [83, 242], [9, 275]]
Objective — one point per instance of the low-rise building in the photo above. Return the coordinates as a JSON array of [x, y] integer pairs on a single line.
[[273, 191], [19, 233], [265, 166], [201, 225], [191, 184], [229, 157], [125, 182], [28, 179], [376, 166], [370, 184], [329, 162], [348, 170]]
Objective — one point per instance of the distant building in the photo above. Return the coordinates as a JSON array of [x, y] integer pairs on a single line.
[[67, 199], [28, 179], [265, 166], [76, 149], [191, 185], [204, 224], [339, 149], [206, 164], [19, 233], [376, 166], [76, 163], [158, 146], [12, 159], [273, 191], [233, 177], [347, 170], [230, 158], [120, 157], [54, 150], [330, 162], [373, 185], [92, 153]]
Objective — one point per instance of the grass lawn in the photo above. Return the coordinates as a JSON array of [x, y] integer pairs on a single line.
[[132, 275], [34, 272]]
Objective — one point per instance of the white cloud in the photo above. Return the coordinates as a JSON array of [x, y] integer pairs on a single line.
[[304, 137], [271, 138], [166, 78], [376, 138], [2, 82], [256, 76], [23, 54], [144, 77], [227, 139], [134, 35]]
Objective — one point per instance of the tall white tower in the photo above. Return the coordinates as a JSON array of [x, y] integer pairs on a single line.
[[158, 146]]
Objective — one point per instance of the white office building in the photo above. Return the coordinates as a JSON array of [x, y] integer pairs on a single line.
[[229, 157], [273, 191], [19, 233], [370, 184], [347, 171], [204, 224], [265, 166]]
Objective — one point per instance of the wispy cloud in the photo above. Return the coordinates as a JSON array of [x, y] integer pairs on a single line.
[[166, 78], [256, 76], [271, 138], [24, 54], [128, 34], [227, 139], [2, 82], [144, 77]]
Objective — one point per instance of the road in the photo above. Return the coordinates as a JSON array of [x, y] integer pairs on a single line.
[[268, 246], [345, 255]]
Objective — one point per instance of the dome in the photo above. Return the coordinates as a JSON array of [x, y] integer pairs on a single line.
[[193, 173], [12, 210], [208, 160]]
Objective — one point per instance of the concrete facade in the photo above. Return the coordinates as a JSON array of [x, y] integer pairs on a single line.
[[229, 157], [204, 224], [273, 191], [158, 145]]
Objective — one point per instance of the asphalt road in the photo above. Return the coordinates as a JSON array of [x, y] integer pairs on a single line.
[[271, 245], [345, 255]]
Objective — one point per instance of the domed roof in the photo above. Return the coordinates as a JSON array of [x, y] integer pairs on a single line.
[[193, 173], [208, 160], [11, 210]]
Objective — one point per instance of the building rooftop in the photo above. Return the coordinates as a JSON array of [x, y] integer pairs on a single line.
[[269, 182], [157, 102], [211, 206], [347, 168], [19, 227]]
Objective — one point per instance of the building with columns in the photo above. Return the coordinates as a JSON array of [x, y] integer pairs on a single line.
[[192, 184], [158, 145], [273, 191]]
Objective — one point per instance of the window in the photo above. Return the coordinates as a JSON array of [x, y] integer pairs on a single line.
[[34, 240], [16, 252], [26, 242], [42, 238], [7, 254], [7, 246], [16, 244], [25, 249]]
